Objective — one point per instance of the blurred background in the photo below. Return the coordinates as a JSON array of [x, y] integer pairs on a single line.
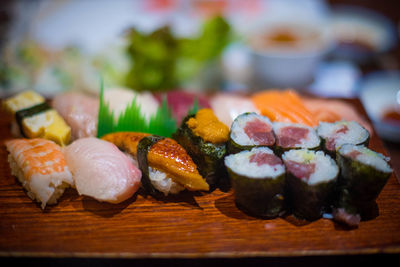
[[343, 49]]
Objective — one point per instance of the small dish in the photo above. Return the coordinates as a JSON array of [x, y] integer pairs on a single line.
[[379, 93], [361, 33], [286, 53]]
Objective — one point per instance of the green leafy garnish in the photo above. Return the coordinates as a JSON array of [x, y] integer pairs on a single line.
[[132, 120]]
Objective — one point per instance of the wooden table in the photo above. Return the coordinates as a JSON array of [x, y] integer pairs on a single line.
[[201, 226]]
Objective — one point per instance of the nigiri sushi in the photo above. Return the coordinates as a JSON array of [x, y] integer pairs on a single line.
[[41, 168], [100, 170], [80, 111], [166, 165], [34, 118]]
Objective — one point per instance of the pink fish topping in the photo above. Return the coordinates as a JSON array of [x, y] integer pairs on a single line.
[[262, 158], [260, 132], [291, 136], [300, 170]]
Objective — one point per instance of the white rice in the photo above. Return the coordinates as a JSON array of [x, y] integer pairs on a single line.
[[238, 134], [368, 157], [163, 183], [312, 140], [241, 165], [325, 167], [356, 134]]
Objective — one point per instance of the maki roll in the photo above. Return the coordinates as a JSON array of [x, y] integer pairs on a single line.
[[166, 167], [294, 136], [364, 173], [258, 180], [204, 138], [311, 180], [335, 134], [250, 130]]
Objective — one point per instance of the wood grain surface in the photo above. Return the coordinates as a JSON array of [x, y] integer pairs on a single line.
[[189, 225]]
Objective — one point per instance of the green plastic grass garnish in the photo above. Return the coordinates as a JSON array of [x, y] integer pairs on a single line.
[[131, 120]]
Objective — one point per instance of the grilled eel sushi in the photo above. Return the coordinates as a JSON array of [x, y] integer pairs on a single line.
[[165, 165]]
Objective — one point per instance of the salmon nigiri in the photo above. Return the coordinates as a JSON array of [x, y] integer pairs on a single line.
[[40, 166], [283, 106], [170, 169]]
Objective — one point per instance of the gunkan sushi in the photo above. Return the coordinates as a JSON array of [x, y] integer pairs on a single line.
[[165, 165], [41, 168], [250, 130], [294, 136], [364, 173], [204, 138], [258, 181], [100, 170], [311, 180], [335, 134]]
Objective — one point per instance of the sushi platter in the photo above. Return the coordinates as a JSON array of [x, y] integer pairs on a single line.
[[194, 223]]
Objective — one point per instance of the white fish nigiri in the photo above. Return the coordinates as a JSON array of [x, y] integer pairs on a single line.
[[119, 99], [80, 111], [100, 170]]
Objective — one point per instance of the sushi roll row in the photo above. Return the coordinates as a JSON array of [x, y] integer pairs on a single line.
[[253, 130], [283, 167]]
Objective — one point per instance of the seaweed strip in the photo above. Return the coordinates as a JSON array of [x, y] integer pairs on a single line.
[[29, 112], [143, 148]]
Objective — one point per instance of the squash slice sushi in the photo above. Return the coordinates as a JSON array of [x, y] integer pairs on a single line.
[[258, 181], [41, 168], [165, 165]]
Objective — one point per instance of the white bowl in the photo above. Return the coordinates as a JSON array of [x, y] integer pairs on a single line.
[[379, 92], [288, 64]]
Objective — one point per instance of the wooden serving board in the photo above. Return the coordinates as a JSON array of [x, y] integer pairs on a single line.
[[189, 225]]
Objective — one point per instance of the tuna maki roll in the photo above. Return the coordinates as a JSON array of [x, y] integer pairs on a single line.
[[311, 180], [294, 136], [335, 134], [364, 173], [250, 130], [258, 180], [204, 138]]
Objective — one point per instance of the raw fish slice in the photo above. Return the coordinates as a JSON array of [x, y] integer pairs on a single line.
[[80, 111], [101, 170], [166, 155], [181, 102], [40, 166], [329, 110], [228, 106], [283, 106]]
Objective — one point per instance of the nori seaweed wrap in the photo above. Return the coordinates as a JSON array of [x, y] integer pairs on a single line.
[[250, 130], [258, 180], [311, 180], [208, 155], [363, 175]]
